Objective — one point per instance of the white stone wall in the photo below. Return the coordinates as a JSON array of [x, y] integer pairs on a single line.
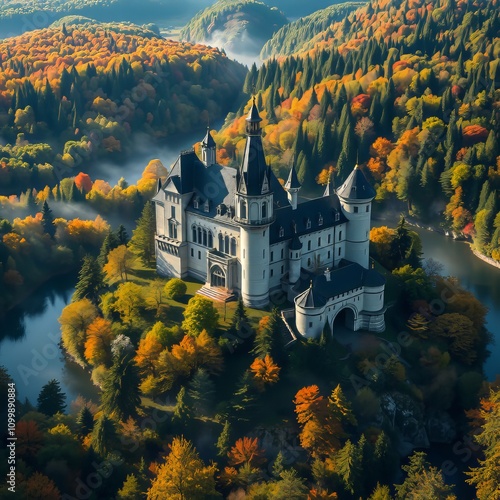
[[358, 231]]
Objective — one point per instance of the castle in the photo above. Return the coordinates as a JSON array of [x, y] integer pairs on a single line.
[[244, 234]]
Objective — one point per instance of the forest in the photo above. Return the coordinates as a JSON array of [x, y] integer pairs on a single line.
[[413, 98]]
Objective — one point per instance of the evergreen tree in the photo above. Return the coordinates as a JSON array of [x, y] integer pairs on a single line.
[[122, 235], [201, 392], [48, 220], [85, 421], [51, 399], [120, 389], [240, 325], [243, 398], [110, 242], [349, 464], [130, 490], [103, 435], [90, 281], [224, 441], [143, 238], [182, 413]]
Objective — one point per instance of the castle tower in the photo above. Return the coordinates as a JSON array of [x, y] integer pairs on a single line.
[[292, 187], [356, 195], [208, 149], [254, 213], [294, 259]]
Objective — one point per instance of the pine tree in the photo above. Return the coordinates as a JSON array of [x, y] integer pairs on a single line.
[[103, 435], [243, 398], [182, 413], [122, 235], [201, 392], [143, 239], [85, 421], [90, 281], [48, 220], [224, 441], [120, 389], [130, 490], [51, 399], [110, 242]]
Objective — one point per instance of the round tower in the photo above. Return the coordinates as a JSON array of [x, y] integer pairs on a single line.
[[208, 147], [356, 195], [254, 213], [294, 259]]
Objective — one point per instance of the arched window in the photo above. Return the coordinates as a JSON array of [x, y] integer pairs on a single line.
[[226, 245], [221, 243], [194, 234], [210, 240], [264, 210], [200, 238], [205, 238], [233, 246], [243, 210]]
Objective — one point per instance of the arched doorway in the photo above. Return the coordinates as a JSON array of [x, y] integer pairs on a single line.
[[217, 277], [344, 318]]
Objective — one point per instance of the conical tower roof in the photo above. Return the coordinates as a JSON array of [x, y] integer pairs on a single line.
[[356, 187]]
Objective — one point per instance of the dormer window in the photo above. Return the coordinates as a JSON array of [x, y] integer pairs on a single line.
[[337, 217], [230, 212], [282, 232], [196, 202], [206, 206], [308, 224], [320, 220], [219, 209]]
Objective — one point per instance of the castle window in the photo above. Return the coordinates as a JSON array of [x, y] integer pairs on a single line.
[[194, 234], [200, 238], [207, 206], [282, 269], [264, 210], [172, 212], [205, 238], [319, 242], [337, 217], [196, 203], [367, 208], [243, 210], [264, 253], [199, 255], [272, 273], [221, 243], [226, 244], [309, 245], [329, 238], [219, 209], [309, 262], [320, 220], [356, 209], [271, 257], [329, 253], [230, 212], [233, 246], [310, 324], [210, 240], [192, 252], [172, 229], [282, 253], [340, 235], [282, 232], [263, 233], [339, 251], [308, 224]]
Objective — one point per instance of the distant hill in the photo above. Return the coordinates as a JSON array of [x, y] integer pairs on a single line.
[[241, 26], [293, 36], [300, 8], [19, 16]]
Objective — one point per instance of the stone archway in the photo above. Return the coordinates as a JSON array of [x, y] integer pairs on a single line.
[[217, 277], [346, 317]]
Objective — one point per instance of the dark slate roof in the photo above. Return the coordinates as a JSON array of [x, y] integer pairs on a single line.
[[293, 180], [295, 244], [345, 278], [254, 172], [295, 221], [310, 298], [356, 187], [253, 114], [208, 140]]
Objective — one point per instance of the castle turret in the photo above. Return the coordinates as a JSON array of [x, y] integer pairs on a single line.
[[294, 259], [254, 213], [208, 156], [356, 195], [292, 187]]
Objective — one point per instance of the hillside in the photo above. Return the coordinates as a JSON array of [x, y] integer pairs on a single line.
[[238, 26], [410, 87], [19, 16], [69, 95], [293, 36]]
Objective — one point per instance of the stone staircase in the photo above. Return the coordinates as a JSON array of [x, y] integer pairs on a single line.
[[216, 293]]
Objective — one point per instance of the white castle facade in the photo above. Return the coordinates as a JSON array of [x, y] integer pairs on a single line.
[[244, 234]]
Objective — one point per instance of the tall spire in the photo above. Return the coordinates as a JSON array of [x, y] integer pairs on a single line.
[[254, 176], [330, 187]]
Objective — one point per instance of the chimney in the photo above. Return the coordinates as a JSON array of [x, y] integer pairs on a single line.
[[327, 274]]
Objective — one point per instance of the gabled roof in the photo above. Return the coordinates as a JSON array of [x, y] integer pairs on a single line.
[[356, 187], [293, 180]]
